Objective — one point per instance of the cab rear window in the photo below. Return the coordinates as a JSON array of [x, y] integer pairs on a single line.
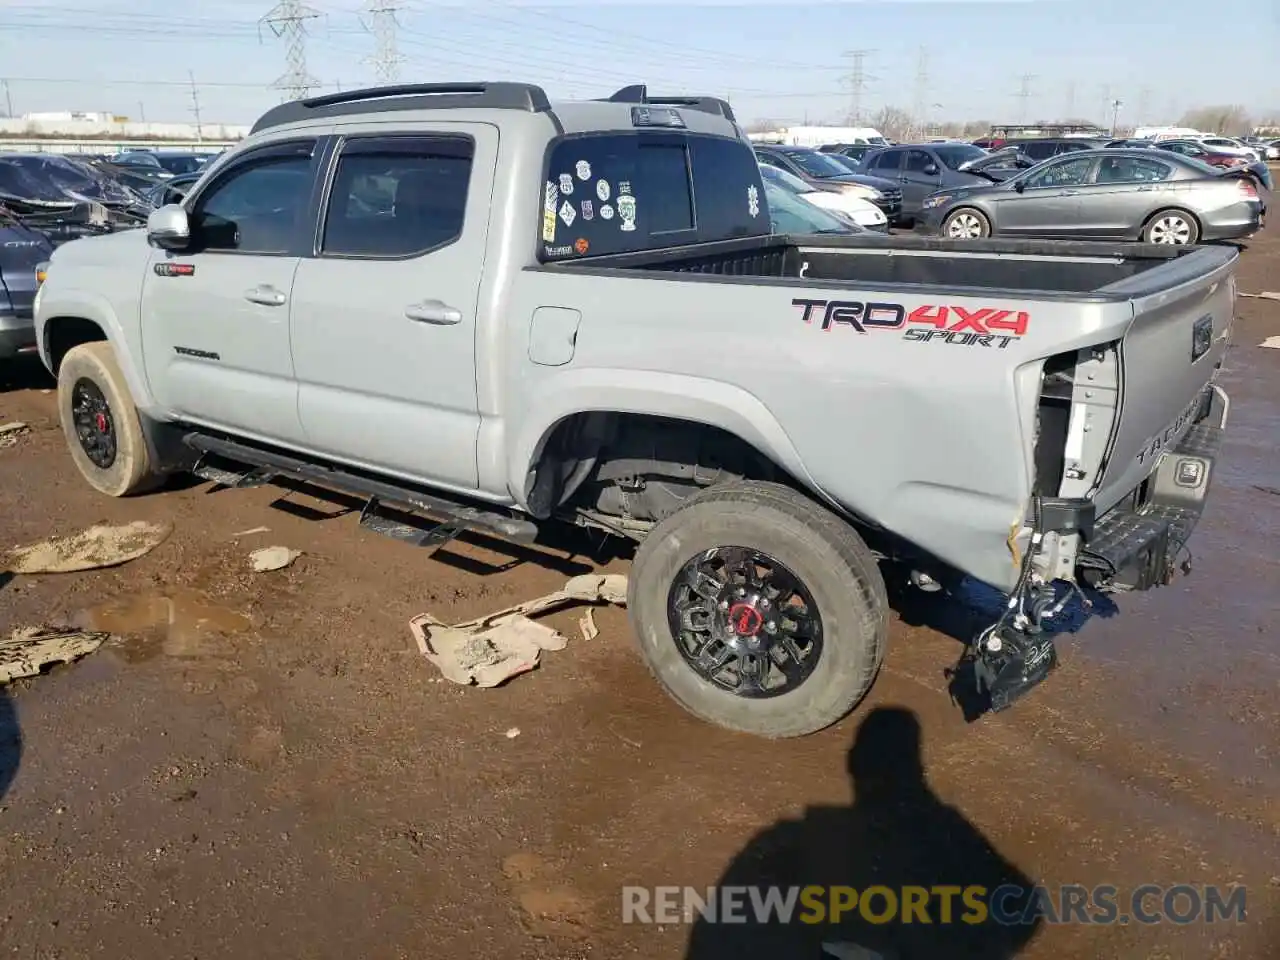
[[618, 193]]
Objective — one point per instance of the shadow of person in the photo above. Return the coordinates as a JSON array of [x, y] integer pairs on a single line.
[[897, 837], [10, 742]]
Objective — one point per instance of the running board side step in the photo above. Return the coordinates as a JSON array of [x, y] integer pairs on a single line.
[[245, 465]]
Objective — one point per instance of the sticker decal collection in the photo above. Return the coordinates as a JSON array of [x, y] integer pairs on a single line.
[[990, 327], [556, 207]]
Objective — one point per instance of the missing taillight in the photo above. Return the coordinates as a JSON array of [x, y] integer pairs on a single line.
[[1053, 418]]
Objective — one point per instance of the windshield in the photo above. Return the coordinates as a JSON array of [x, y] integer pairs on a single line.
[[788, 181], [180, 164], [954, 154], [816, 164], [791, 214], [850, 164]]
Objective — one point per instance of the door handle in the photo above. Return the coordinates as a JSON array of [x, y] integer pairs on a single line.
[[266, 295], [433, 311]]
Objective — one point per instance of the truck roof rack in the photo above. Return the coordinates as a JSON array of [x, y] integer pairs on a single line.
[[639, 94], [409, 96]]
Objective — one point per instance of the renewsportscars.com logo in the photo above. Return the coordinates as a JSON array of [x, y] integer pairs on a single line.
[[1009, 905]]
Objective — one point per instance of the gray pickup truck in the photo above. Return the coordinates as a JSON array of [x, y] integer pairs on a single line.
[[481, 310]]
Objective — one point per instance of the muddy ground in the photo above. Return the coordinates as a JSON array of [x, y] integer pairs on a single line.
[[263, 765]]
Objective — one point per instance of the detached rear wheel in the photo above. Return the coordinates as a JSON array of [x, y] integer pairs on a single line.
[[101, 423], [966, 224], [759, 611], [1171, 227]]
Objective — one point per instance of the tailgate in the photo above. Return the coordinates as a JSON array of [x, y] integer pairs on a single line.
[[1168, 357]]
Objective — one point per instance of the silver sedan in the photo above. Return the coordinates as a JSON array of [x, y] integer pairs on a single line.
[[1116, 194]]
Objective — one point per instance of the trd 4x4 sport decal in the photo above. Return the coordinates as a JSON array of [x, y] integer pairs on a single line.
[[983, 327]]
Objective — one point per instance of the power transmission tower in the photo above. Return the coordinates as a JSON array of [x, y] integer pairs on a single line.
[[1070, 103], [920, 110], [1024, 95], [857, 80], [195, 105], [288, 19], [380, 20]]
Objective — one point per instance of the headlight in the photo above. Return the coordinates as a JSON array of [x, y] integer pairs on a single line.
[[931, 202], [860, 190]]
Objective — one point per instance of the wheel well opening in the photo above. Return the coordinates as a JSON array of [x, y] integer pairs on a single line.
[[639, 466], [1182, 211], [63, 333]]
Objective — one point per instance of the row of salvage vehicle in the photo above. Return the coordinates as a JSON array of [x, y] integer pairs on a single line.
[[1171, 192]]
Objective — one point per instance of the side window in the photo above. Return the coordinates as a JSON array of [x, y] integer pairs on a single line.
[[1069, 147], [257, 205], [1132, 170], [886, 162], [770, 161], [918, 161], [397, 196], [1039, 150], [1063, 173]]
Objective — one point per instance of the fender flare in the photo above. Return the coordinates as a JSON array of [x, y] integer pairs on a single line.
[[653, 393], [96, 309]]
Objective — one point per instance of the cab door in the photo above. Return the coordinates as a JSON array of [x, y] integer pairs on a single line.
[[215, 317]]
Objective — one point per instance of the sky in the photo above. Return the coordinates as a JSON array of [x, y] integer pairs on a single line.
[[787, 62]]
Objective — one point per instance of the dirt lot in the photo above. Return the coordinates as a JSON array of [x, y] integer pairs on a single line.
[[263, 765]]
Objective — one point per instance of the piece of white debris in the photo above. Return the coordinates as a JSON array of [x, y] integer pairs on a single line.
[[28, 651], [491, 650], [251, 532], [512, 733], [1265, 295], [1272, 342], [272, 558], [95, 548], [587, 624]]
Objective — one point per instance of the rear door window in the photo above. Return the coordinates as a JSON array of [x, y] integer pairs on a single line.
[[887, 162], [618, 193]]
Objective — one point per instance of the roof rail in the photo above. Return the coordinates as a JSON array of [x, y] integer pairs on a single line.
[[409, 96], [639, 93]]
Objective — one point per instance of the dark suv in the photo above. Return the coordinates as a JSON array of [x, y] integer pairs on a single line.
[[822, 172], [1042, 148]]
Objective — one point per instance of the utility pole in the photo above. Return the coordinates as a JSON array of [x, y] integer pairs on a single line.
[[8, 100], [1115, 114], [288, 19], [1070, 103], [380, 20], [1024, 95], [195, 105], [920, 110], [142, 112], [857, 80]]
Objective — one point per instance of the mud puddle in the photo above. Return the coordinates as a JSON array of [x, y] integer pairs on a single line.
[[176, 623]]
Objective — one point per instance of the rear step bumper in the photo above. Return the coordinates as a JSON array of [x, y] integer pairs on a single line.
[[1137, 545], [231, 463]]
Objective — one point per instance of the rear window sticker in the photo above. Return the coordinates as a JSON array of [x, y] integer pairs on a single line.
[[602, 190], [753, 201], [552, 195], [627, 211], [548, 225], [567, 214], [581, 245], [624, 187], [587, 212], [566, 184], [606, 212], [583, 169]]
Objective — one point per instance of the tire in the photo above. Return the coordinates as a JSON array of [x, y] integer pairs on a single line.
[[1163, 223], [828, 559], [89, 378], [966, 216]]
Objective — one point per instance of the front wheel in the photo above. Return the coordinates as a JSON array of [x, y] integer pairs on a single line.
[[1171, 227], [759, 611], [966, 224]]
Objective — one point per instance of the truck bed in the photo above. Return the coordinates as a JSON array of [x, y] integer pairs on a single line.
[[1031, 267]]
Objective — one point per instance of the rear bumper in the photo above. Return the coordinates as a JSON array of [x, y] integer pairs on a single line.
[[1137, 544]]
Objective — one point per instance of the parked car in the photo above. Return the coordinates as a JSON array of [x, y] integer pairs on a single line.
[[173, 190], [1131, 142], [924, 169], [791, 214], [825, 173], [23, 251], [1104, 195], [864, 213], [1043, 148], [179, 162], [142, 161], [1194, 149], [854, 151], [1230, 146], [626, 344]]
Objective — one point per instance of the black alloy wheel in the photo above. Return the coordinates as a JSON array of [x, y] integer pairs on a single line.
[[94, 425], [745, 622]]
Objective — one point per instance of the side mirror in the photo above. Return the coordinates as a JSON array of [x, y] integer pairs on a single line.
[[931, 170], [168, 227], [1020, 185]]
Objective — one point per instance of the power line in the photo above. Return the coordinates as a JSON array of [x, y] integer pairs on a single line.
[[857, 80], [383, 25], [1024, 95], [288, 19]]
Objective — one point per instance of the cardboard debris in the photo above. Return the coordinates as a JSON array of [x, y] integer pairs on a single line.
[[10, 433], [28, 651], [98, 547], [490, 650], [272, 558]]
